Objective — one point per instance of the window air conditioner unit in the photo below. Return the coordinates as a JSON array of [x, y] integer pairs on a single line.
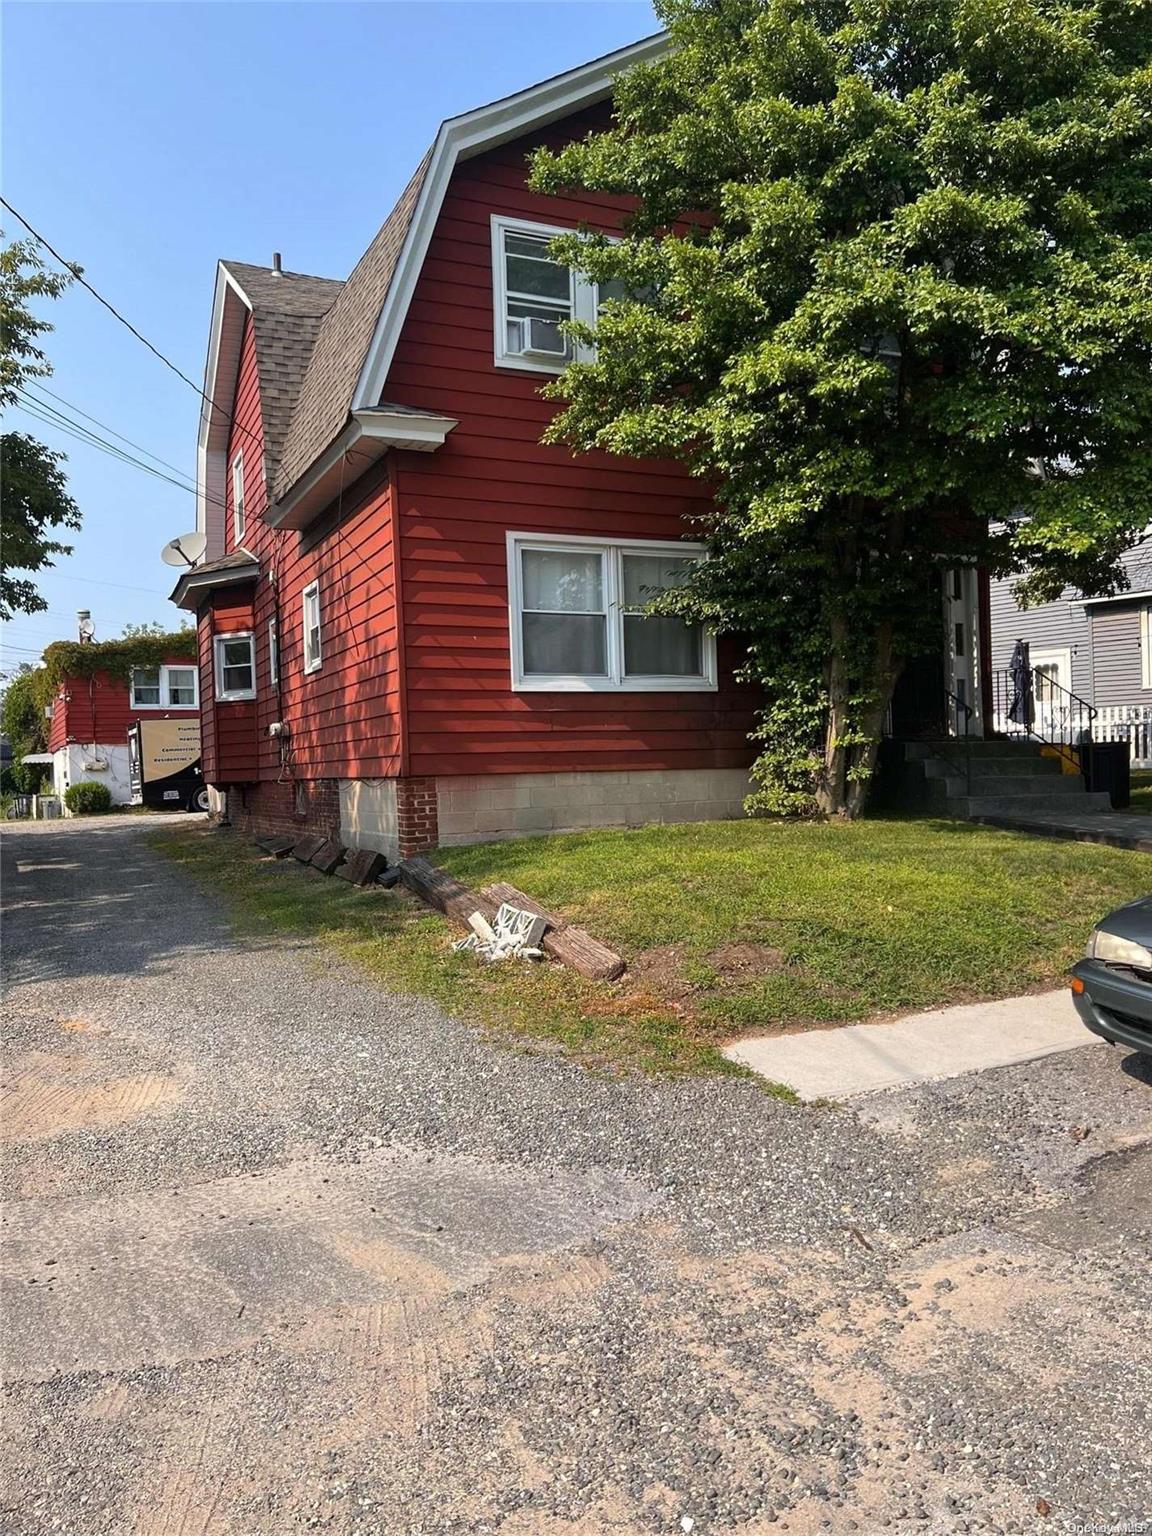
[[540, 338]]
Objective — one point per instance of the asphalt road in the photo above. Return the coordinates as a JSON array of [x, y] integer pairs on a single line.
[[285, 1253]]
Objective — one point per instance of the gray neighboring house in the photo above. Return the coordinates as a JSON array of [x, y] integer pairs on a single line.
[[1099, 648]]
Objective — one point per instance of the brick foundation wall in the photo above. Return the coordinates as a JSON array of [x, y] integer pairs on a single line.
[[292, 807], [417, 819]]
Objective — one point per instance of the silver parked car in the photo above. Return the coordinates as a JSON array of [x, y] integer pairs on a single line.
[[1112, 985]]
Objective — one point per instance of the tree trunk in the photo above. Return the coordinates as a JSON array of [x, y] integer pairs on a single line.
[[851, 743]]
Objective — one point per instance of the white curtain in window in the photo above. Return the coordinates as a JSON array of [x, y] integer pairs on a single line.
[[181, 686], [146, 685], [565, 622], [658, 645]]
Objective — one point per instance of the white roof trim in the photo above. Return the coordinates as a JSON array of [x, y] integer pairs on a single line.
[[1139, 594], [212, 414], [458, 139], [371, 433]]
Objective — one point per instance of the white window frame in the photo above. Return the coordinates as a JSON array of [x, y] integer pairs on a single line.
[[222, 694], [274, 652], [585, 297], [166, 685], [1146, 646], [612, 551], [310, 594], [239, 513]]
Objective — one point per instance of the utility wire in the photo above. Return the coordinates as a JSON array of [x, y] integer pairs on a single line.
[[76, 272], [42, 389], [51, 416]]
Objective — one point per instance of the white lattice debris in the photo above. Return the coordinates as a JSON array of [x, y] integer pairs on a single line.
[[516, 935]]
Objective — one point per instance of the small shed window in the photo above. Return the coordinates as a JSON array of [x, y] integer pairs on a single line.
[[310, 612], [235, 667]]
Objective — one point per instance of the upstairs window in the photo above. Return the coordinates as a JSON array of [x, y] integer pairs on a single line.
[[238, 520], [533, 296], [235, 666], [165, 688], [310, 614], [580, 618]]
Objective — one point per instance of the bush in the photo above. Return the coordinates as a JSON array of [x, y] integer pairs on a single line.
[[88, 798]]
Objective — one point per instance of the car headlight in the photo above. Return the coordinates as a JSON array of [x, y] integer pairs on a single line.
[[1113, 950]]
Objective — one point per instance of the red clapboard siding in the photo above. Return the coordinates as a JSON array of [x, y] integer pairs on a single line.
[[493, 475], [344, 720], [99, 709]]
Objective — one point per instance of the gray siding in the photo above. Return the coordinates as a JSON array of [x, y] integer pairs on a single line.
[[1116, 647], [1104, 641], [1047, 627]]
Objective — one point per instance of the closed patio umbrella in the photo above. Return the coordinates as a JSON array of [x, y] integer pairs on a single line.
[[1021, 711]]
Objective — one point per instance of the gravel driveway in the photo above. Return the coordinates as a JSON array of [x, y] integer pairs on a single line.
[[284, 1252]]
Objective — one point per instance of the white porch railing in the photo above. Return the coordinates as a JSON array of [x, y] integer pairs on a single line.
[[1127, 722]]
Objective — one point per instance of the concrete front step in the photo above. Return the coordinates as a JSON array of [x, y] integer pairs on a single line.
[[977, 747], [947, 767], [1037, 786], [1030, 805]]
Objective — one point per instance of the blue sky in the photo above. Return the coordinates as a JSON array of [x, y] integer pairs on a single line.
[[147, 140]]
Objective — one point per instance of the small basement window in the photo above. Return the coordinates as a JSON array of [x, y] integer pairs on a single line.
[[235, 667], [580, 620], [310, 614], [165, 688]]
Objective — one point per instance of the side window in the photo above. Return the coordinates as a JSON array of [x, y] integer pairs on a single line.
[[181, 687], [538, 298], [145, 687], [238, 519], [273, 653], [310, 616], [235, 667]]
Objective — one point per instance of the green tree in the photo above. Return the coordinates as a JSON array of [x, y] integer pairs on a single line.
[[888, 286], [23, 723], [34, 488]]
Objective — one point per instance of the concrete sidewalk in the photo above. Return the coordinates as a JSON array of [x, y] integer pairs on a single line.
[[860, 1058]]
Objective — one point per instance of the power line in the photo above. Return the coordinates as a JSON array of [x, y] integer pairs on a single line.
[[78, 274], [42, 389], [50, 416]]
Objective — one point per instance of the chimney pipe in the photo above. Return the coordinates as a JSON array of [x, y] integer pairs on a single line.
[[276, 272]]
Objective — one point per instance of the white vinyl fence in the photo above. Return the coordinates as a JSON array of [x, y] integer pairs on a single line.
[[1127, 722]]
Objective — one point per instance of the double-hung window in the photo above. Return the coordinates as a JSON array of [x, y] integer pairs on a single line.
[[165, 688], [274, 653], [235, 666], [238, 520], [1146, 646], [310, 617], [581, 619], [533, 296]]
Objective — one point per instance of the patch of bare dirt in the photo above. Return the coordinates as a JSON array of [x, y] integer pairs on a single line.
[[50, 1094]]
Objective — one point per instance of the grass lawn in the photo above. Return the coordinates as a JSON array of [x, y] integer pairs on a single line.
[[727, 927], [1142, 793]]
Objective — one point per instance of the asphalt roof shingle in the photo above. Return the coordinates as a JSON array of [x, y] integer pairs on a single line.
[[341, 344], [288, 309]]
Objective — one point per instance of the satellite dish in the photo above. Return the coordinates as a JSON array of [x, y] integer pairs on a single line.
[[186, 549]]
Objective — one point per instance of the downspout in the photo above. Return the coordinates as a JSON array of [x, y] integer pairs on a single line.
[[398, 605]]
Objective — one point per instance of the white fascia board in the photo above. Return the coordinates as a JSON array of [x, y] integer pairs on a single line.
[[1135, 596], [403, 429], [460, 138], [371, 433], [210, 406]]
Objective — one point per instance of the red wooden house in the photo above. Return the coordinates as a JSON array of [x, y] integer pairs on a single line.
[[93, 712], [417, 624]]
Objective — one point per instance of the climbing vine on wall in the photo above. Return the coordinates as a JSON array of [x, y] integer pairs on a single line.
[[108, 658]]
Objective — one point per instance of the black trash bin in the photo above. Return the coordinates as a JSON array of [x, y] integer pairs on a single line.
[[1110, 769]]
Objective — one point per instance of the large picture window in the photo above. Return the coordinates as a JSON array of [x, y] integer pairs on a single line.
[[533, 296], [580, 619], [165, 688], [235, 667]]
